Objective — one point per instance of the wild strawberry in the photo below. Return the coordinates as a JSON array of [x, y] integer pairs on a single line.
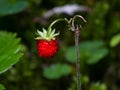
[[47, 44]]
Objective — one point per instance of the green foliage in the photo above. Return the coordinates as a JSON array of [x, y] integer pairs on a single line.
[[91, 52], [2, 87], [84, 79], [9, 50], [56, 71], [96, 21], [115, 40], [12, 6], [98, 86]]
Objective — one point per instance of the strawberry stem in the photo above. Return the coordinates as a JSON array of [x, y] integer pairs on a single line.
[[77, 30], [50, 27]]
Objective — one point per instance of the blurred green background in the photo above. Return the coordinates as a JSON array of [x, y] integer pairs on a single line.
[[99, 45]]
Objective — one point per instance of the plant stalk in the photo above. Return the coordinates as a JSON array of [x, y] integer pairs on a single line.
[[77, 59], [77, 30]]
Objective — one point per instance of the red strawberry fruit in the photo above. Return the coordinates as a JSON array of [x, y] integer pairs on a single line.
[[47, 45]]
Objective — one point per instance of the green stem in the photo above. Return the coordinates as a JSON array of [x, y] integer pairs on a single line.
[[55, 22], [50, 27]]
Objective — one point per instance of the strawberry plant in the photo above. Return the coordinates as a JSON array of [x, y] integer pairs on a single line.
[[47, 44], [53, 67]]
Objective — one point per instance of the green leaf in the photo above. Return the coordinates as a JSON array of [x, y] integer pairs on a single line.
[[56, 71], [65, 70], [115, 40], [9, 50], [89, 45], [2, 87], [97, 55], [90, 52], [12, 6]]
